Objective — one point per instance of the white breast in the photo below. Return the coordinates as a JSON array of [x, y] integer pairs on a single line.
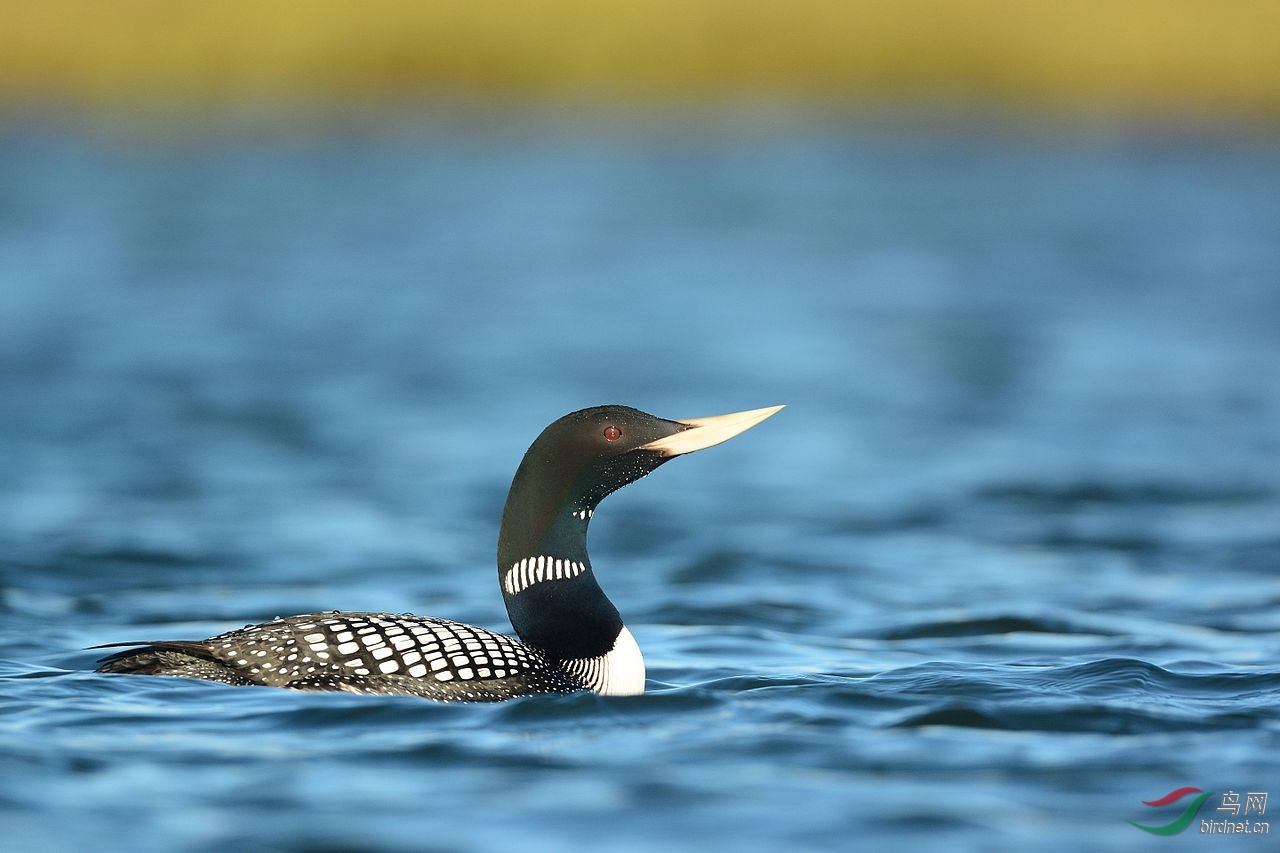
[[620, 672]]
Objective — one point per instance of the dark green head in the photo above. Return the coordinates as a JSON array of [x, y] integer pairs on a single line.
[[584, 456]]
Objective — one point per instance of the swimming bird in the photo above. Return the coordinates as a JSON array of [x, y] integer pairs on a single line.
[[571, 637]]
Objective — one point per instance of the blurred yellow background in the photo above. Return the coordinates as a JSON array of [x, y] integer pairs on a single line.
[[1148, 55]]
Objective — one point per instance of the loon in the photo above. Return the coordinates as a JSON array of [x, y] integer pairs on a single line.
[[571, 637]]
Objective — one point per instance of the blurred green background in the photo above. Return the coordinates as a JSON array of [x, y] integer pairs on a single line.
[[1161, 56]]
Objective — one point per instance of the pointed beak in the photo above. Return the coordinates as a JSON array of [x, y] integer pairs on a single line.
[[701, 433]]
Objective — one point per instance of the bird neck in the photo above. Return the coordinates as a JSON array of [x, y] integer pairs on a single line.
[[551, 593]]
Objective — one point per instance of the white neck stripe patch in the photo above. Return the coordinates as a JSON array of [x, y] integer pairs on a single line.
[[531, 570]]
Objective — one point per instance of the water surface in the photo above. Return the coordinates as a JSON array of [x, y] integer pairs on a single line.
[[1005, 567]]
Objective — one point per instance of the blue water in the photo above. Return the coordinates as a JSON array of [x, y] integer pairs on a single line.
[[1006, 566]]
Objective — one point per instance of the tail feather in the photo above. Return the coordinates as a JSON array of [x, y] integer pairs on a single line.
[[191, 647], [170, 657]]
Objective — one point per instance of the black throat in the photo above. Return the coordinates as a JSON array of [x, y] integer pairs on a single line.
[[568, 616]]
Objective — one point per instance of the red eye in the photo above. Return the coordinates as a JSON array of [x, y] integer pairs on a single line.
[[612, 433]]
